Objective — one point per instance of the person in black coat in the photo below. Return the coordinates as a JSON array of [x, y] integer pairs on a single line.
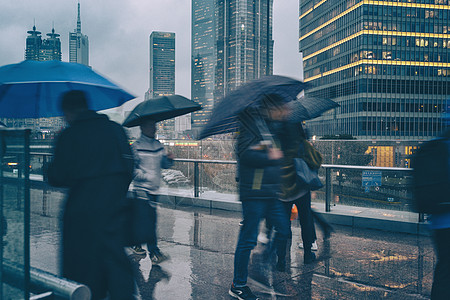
[[259, 162], [93, 159]]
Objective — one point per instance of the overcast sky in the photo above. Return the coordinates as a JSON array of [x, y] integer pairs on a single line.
[[119, 31]]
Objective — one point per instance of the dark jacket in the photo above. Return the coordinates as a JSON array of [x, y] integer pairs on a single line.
[[94, 160], [259, 176]]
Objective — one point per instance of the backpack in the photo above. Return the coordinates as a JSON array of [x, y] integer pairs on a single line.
[[431, 177]]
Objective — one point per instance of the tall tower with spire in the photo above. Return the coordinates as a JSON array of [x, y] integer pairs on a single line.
[[33, 44], [78, 44], [39, 49]]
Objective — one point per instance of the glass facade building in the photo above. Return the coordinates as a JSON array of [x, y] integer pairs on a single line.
[[162, 64], [78, 44], [203, 59], [387, 63], [162, 73], [41, 50], [244, 45]]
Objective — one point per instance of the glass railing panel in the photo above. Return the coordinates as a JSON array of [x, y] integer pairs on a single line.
[[15, 213]]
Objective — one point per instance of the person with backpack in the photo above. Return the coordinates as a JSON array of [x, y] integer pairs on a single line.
[[431, 185]]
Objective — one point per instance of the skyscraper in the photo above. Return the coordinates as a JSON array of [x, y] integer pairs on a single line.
[[244, 45], [78, 44], [33, 44], [386, 63], [41, 50], [203, 59], [51, 47], [162, 64], [162, 73]]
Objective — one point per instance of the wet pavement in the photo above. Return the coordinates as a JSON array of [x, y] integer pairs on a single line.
[[352, 264]]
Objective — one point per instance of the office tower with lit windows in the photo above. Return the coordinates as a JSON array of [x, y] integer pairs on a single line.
[[386, 63], [203, 59], [41, 50], [162, 73], [33, 44], [244, 45], [162, 64], [51, 47], [78, 44]]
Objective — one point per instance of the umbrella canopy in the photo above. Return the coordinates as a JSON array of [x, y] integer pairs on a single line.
[[224, 116], [161, 108], [32, 89], [307, 108]]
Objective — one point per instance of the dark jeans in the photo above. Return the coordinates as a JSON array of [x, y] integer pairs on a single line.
[[253, 211], [305, 217], [152, 243], [441, 281]]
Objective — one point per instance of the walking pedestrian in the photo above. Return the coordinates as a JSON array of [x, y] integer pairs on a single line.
[[259, 170], [150, 158], [93, 159]]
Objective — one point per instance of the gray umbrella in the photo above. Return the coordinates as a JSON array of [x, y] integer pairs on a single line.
[[307, 108], [161, 108]]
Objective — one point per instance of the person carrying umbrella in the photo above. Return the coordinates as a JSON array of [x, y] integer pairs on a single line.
[[259, 163], [150, 158]]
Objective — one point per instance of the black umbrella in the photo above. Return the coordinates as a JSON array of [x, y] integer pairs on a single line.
[[161, 108], [307, 108], [224, 116]]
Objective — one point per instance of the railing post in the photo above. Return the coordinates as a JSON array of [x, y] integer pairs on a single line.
[[196, 180], [327, 189]]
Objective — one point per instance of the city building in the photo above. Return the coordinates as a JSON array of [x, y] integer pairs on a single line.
[[231, 44], [33, 44], [203, 59], [51, 47], [162, 73], [41, 50], [78, 44], [244, 45], [386, 63], [162, 64]]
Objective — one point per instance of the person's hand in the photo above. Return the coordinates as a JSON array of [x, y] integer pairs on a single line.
[[170, 156], [275, 153]]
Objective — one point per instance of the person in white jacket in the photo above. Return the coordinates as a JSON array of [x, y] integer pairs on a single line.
[[150, 157]]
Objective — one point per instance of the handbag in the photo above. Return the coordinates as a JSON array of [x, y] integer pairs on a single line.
[[306, 175], [138, 226]]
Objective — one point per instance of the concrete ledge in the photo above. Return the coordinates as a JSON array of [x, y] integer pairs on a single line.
[[358, 217]]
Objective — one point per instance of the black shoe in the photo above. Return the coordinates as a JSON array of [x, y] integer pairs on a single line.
[[242, 293], [309, 257], [158, 257]]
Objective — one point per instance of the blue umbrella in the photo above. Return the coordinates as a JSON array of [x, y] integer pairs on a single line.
[[224, 116], [32, 89]]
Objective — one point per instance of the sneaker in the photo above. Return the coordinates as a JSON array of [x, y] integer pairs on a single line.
[[242, 293], [158, 257], [138, 250], [313, 246], [262, 238]]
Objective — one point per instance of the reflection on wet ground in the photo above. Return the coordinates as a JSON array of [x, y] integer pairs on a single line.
[[352, 264]]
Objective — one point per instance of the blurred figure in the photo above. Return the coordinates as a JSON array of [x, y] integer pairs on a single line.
[[150, 158], [431, 186], [93, 159], [259, 162], [440, 224]]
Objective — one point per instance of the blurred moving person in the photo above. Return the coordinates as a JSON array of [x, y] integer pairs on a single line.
[[93, 159], [259, 167], [150, 158]]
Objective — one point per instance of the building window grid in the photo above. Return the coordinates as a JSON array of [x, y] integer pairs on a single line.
[[425, 126]]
